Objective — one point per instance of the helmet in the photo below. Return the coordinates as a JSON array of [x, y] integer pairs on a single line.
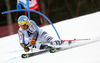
[[23, 20]]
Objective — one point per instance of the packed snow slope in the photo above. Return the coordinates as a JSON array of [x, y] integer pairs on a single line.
[[87, 26]]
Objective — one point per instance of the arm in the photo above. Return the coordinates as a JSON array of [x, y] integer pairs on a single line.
[[21, 40], [35, 34]]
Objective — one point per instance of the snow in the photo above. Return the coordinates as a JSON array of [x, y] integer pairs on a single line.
[[87, 26]]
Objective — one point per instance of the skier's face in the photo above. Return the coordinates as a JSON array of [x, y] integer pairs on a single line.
[[24, 27]]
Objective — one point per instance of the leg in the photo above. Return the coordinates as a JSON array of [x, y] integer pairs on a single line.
[[44, 46]]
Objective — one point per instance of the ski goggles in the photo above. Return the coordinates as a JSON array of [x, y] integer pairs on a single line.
[[22, 23]]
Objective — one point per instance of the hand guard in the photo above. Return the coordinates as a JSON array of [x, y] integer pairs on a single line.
[[33, 42], [26, 49]]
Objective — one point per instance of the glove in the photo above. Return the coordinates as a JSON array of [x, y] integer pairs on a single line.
[[33, 42], [26, 49]]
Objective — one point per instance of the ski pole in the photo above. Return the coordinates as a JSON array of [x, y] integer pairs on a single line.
[[63, 40], [71, 40]]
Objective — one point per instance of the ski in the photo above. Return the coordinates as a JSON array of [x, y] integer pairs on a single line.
[[33, 54], [52, 50], [40, 52]]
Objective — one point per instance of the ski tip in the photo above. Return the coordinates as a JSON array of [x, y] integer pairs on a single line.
[[24, 55]]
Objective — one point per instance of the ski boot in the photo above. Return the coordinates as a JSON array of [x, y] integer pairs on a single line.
[[50, 48], [53, 50]]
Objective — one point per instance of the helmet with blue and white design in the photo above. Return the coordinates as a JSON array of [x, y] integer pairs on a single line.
[[23, 20]]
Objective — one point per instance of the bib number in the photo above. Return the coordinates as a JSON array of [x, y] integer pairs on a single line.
[[29, 33]]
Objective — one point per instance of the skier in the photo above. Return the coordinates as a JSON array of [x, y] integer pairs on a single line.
[[29, 33]]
